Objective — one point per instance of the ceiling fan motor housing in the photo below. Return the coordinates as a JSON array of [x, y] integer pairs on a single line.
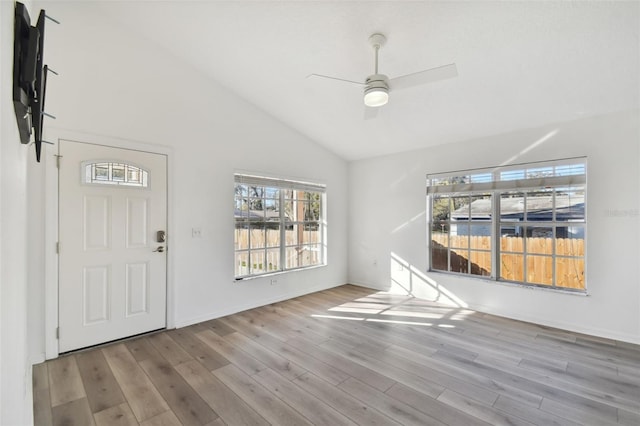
[[376, 91]]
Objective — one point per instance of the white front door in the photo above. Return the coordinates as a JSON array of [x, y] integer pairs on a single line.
[[113, 264]]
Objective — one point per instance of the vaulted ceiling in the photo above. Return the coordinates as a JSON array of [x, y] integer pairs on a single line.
[[520, 64]]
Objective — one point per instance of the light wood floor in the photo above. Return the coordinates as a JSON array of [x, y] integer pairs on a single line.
[[346, 356]]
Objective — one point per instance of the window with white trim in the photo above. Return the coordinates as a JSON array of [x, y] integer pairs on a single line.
[[523, 223], [114, 173], [279, 225]]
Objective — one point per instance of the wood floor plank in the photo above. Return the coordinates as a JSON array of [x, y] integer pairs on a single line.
[[529, 413], [64, 380], [141, 348], [484, 412], [100, 385], [229, 406], [264, 402], [271, 359], [432, 407], [187, 405], [218, 327], [74, 413], [205, 354], [315, 410], [364, 374], [168, 418], [484, 389], [240, 358], [399, 375], [169, 349], [120, 415], [319, 368], [628, 418], [390, 406], [143, 398], [41, 396], [351, 407]]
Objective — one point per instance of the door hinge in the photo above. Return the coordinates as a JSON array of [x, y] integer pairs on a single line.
[[58, 247], [58, 157], [57, 332]]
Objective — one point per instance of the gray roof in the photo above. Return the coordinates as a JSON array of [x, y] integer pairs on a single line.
[[515, 206]]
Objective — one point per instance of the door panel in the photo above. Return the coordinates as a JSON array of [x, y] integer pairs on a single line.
[[112, 281]]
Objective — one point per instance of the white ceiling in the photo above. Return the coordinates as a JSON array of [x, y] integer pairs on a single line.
[[520, 64]]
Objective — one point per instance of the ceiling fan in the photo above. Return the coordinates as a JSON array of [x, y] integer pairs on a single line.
[[377, 86]]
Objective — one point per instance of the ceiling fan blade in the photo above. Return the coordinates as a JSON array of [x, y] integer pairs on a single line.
[[370, 113], [423, 77], [336, 78]]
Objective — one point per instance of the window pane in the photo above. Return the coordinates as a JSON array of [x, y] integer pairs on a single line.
[[241, 239], [512, 267], [480, 263], [461, 210], [294, 234], [459, 261], [258, 262], [539, 205], [481, 208], [256, 205], [570, 272], [101, 172], [272, 233], [440, 208], [570, 241], [292, 257], [257, 235], [439, 257], [117, 172], [512, 206], [241, 190], [308, 255], [459, 235], [242, 263], [295, 210], [312, 210], [481, 235], [510, 241], [540, 270], [311, 233], [315, 254], [273, 260], [540, 240], [570, 204]]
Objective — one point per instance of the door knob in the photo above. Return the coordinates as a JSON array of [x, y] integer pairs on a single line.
[[160, 249]]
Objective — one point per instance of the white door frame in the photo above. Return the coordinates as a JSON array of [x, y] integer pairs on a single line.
[[51, 184]]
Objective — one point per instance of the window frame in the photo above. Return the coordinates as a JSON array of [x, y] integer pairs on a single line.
[[297, 195], [559, 178]]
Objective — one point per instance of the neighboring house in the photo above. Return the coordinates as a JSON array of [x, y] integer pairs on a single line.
[[568, 209]]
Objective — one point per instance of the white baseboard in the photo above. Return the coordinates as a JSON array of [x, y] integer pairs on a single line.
[[250, 305]]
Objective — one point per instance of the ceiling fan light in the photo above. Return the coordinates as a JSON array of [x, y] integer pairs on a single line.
[[376, 96]]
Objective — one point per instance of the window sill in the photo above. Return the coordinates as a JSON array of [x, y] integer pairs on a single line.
[[274, 274], [512, 284]]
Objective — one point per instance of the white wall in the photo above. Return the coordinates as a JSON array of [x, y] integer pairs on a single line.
[[387, 219], [115, 86], [15, 368]]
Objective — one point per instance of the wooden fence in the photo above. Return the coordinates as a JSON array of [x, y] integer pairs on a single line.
[[569, 261], [302, 250]]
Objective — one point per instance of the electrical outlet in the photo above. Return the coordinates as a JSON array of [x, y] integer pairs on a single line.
[[274, 282], [196, 232]]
